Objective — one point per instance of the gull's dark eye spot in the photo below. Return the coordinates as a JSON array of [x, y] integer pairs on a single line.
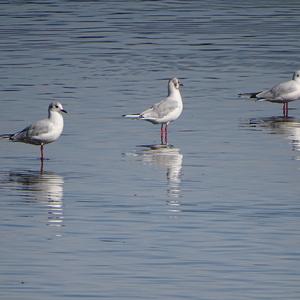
[[56, 106]]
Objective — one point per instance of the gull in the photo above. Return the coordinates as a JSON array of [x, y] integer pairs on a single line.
[[165, 111], [43, 131], [284, 92]]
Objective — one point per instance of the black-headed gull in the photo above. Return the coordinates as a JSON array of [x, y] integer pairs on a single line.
[[284, 92], [165, 111], [43, 131]]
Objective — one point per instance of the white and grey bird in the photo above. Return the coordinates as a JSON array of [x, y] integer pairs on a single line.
[[165, 111], [43, 131], [284, 92]]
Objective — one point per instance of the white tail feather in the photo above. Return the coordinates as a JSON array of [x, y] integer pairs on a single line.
[[133, 116]]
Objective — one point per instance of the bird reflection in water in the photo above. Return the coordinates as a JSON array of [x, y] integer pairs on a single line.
[[169, 158], [45, 187], [288, 127]]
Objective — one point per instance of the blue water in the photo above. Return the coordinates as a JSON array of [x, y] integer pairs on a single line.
[[215, 216]]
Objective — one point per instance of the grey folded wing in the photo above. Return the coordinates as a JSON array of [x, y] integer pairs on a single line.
[[32, 131], [280, 91], [160, 110]]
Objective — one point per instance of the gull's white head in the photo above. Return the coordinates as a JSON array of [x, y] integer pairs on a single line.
[[56, 106], [175, 83], [296, 76]]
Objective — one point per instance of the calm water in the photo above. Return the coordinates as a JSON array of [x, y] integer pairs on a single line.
[[215, 216]]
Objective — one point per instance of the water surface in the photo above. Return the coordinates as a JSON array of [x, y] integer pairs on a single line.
[[213, 216]]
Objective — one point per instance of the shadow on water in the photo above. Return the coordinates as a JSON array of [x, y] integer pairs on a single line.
[[34, 186], [288, 127], [168, 158]]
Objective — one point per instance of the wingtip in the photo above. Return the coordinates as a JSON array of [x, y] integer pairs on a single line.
[[244, 95], [249, 95], [5, 136]]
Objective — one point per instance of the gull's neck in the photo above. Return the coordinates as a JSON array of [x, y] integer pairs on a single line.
[[55, 117], [173, 92]]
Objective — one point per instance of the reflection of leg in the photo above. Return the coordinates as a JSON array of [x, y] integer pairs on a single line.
[[42, 167]]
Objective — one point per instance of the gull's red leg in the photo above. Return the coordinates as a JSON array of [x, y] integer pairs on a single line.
[[285, 109], [162, 134], [42, 152], [166, 134]]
